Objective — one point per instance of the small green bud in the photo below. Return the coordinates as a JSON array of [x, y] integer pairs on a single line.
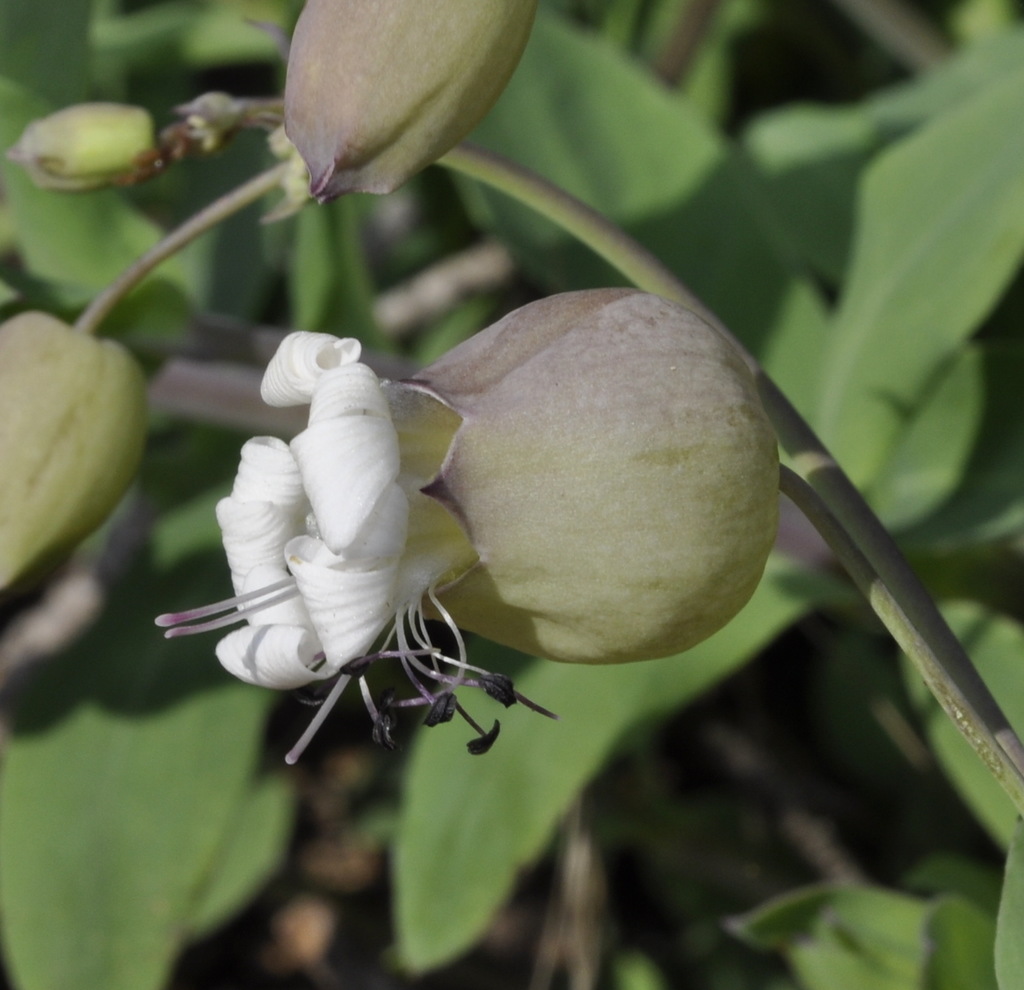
[[615, 472], [72, 426], [379, 89], [86, 146]]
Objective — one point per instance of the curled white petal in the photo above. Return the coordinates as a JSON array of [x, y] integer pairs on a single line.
[[301, 359], [254, 535], [384, 532], [289, 610], [351, 390], [349, 602], [347, 464], [274, 656], [267, 472]]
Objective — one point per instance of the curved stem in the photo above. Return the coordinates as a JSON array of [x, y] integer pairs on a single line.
[[98, 310], [573, 216], [892, 588]]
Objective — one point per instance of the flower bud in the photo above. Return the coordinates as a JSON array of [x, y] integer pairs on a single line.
[[379, 89], [614, 471], [72, 425], [85, 146]]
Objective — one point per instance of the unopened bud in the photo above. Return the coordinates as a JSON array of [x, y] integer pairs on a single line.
[[378, 90], [614, 471], [72, 426], [85, 146]]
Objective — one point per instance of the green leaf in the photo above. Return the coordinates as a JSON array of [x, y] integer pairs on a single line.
[[960, 77], [812, 155], [635, 971], [605, 130], [811, 158], [949, 873], [995, 644], [988, 504], [255, 842], [930, 458], [131, 765], [960, 937], [843, 937], [940, 231], [329, 281], [468, 824], [44, 46], [190, 32], [1010, 922]]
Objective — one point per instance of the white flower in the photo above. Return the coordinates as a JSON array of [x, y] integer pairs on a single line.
[[315, 536], [592, 479]]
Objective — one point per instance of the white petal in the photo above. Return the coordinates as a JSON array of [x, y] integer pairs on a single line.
[[299, 362], [271, 656], [385, 529], [268, 473], [350, 604], [347, 464], [254, 534], [351, 390], [289, 612]]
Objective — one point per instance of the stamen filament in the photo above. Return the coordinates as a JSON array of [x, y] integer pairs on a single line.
[[230, 618], [292, 756], [178, 618], [450, 623]]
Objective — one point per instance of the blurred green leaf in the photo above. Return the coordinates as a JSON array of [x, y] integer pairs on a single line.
[[469, 824], [255, 842], [988, 504], [329, 282], [811, 157], [949, 873], [966, 73], [960, 936], [940, 231], [844, 937], [123, 787], [634, 971], [44, 47], [605, 130], [930, 457], [1010, 922], [190, 32]]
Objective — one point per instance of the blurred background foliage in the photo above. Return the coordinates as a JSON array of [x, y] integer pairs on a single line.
[[783, 807]]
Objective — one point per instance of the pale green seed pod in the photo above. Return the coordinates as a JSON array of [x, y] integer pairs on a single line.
[[379, 89], [615, 472], [86, 146], [72, 427]]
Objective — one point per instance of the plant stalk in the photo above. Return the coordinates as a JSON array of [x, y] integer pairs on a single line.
[[220, 209]]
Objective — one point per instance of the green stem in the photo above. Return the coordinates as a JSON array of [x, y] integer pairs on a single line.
[[586, 225], [838, 509], [220, 209]]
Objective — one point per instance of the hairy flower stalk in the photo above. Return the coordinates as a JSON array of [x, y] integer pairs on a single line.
[[592, 479]]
